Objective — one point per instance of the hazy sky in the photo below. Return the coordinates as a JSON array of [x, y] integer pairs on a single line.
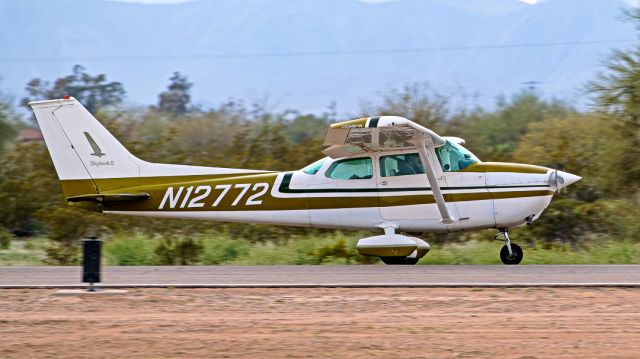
[[532, 2], [373, 1], [481, 67]]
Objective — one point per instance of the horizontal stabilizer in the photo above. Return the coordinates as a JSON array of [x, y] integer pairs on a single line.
[[109, 197]]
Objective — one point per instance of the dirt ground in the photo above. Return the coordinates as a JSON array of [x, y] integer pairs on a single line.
[[323, 323]]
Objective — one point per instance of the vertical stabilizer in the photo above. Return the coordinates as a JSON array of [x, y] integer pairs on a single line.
[[81, 148]]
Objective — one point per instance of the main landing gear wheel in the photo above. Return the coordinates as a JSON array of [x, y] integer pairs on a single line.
[[399, 260], [514, 258], [510, 253]]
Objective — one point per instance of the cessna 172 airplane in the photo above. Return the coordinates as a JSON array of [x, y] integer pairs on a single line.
[[385, 174]]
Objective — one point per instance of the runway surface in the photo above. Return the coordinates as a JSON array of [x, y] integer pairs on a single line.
[[330, 276]]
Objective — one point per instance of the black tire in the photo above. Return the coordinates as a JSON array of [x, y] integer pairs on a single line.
[[515, 258], [399, 260]]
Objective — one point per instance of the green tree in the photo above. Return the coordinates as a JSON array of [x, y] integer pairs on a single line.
[[418, 102], [5, 238], [305, 127], [8, 120], [617, 88], [177, 98], [493, 136], [616, 92], [28, 183], [264, 146], [180, 251], [94, 92], [586, 145], [65, 235], [571, 221]]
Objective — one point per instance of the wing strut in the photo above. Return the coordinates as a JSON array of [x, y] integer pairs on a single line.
[[433, 181]]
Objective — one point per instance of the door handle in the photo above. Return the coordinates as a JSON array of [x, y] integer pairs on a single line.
[[383, 183]]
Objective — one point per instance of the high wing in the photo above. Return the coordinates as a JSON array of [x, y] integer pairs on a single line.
[[375, 134], [386, 133]]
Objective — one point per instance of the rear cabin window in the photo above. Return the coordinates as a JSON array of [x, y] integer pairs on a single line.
[[401, 165], [351, 168]]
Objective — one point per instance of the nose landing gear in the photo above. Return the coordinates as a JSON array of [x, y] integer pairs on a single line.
[[510, 253]]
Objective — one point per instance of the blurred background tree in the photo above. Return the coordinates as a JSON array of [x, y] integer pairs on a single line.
[[28, 183], [8, 124], [417, 101], [495, 135], [94, 92], [176, 100], [616, 93]]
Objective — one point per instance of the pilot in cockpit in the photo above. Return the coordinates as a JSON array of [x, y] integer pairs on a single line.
[[410, 166]]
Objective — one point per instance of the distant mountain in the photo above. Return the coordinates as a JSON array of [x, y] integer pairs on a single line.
[[141, 45]]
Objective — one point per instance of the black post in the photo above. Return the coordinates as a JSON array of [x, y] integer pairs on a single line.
[[91, 249]]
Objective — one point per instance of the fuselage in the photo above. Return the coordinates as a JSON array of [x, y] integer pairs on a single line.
[[483, 195]]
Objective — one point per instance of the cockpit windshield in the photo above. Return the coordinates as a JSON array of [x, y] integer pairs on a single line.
[[314, 167], [453, 157]]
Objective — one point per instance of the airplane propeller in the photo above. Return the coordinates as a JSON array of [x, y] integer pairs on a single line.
[[560, 179], [556, 181]]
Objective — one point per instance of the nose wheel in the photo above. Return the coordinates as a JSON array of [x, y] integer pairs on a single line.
[[510, 253]]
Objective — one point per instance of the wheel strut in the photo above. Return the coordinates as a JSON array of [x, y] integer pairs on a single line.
[[507, 240]]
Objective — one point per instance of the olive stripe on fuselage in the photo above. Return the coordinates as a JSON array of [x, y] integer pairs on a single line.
[[242, 193]]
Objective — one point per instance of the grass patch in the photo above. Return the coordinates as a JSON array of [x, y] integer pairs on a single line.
[[24, 252], [329, 248], [487, 252], [132, 250]]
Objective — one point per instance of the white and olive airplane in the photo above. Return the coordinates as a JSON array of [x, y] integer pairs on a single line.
[[385, 174]]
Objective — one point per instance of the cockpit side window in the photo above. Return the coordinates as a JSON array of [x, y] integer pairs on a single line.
[[351, 168], [401, 165], [314, 167], [454, 157]]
